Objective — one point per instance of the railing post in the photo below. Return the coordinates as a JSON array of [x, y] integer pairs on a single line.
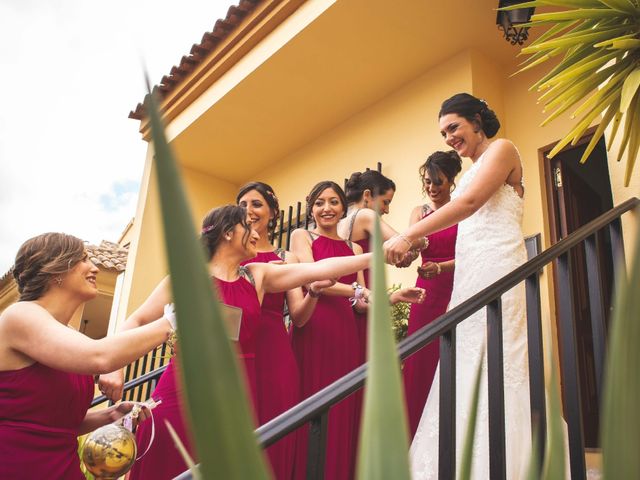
[[596, 308], [495, 379], [289, 226], [571, 386], [447, 430], [317, 447], [280, 228], [617, 252], [536, 365]]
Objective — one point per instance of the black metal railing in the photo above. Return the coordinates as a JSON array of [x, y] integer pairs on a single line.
[[314, 410], [141, 376]]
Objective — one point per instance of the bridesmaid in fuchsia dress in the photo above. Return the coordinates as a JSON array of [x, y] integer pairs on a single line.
[[435, 275], [229, 240], [277, 374], [369, 195], [328, 347], [47, 368]]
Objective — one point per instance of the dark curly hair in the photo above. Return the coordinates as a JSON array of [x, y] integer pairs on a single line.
[[449, 163], [474, 110], [269, 196], [220, 221], [42, 258], [317, 190], [371, 180]]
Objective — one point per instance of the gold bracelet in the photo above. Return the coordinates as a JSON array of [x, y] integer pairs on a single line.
[[404, 237]]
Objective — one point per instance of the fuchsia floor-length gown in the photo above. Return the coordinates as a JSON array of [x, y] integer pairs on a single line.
[[327, 348], [41, 410], [420, 368], [277, 374], [163, 461]]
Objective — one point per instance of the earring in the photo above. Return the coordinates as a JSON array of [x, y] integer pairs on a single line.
[[228, 237], [58, 281], [366, 204]]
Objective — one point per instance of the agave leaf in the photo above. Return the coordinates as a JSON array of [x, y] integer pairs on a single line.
[[533, 470], [624, 6], [619, 430], [615, 82], [625, 44], [384, 445], [570, 59], [584, 84], [614, 128], [574, 15], [606, 119], [634, 143], [188, 461], [566, 99], [467, 452], [610, 41], [628, 128], [541, 59], [590, 66], [584, 123], [629, 89], [554, 30], [217, 405], [569, 40], [555, 457]]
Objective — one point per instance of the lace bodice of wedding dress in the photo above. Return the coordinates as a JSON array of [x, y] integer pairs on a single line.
[[489, 245]]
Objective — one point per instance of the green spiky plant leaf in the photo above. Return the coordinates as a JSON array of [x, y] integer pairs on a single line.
[[384, 436], [555, 455], [218, 409], [599, 73], [620, 424], [467, 452]]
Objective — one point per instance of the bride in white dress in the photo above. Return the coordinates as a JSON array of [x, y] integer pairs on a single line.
[[487, 205]]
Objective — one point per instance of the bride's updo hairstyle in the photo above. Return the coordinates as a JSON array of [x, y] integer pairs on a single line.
[[371, 180], [42, 258], [220, 221], [474, 110], [448, 163]]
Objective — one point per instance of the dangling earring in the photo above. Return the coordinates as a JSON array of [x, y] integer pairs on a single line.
[[58, 281], [366, 204]]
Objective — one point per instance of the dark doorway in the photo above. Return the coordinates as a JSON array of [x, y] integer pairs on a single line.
[[576, 194]]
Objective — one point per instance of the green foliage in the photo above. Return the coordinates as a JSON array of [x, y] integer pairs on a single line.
[[600, 44], [620, 420], [384, 436], [399, 315], [467, 452], [218, 409]]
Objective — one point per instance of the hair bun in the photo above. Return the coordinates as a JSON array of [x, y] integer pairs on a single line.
[[490, 122]]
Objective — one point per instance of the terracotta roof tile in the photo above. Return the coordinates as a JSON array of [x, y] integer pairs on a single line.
[[107, 255], [210, 40]]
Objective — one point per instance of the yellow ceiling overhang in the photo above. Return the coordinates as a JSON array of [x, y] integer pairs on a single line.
[[321, 65]]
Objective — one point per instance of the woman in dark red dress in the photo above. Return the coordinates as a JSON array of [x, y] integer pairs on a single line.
[[277, 374], [229, 241], [435, 275], [327, 346], [47, 368], [369, 195]]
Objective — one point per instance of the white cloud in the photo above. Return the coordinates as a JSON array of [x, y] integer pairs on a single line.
[[70, 159]]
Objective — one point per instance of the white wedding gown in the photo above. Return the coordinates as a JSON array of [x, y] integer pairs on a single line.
[[489, 245]]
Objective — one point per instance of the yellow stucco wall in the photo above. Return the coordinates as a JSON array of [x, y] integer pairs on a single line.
[[146, 264], [399, 131]]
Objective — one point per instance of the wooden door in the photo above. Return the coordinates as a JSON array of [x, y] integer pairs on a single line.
[[578, 193]]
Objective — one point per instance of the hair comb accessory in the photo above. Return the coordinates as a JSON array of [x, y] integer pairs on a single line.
[[206, 229]]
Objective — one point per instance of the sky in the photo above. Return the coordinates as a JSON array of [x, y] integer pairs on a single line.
[[70, 72]]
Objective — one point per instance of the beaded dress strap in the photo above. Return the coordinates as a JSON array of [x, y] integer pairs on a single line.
[[311, 235], [243, 271], [425, 210], [352, 223], [280, 253]]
